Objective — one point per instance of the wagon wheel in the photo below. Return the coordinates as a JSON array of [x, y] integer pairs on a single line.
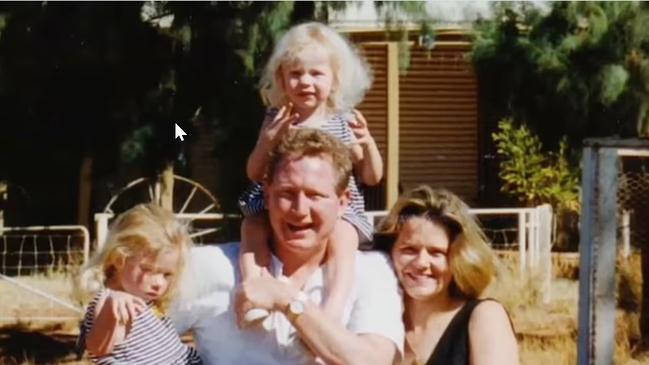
[[192, 202]]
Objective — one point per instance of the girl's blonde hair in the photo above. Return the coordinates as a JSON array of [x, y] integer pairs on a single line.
[[143, 229], [352, 75], [472, 262]]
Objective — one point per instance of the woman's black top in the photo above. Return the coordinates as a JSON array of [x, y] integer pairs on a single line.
[[453, 346]]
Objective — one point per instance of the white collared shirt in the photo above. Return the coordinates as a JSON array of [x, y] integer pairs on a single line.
[[205, 306]]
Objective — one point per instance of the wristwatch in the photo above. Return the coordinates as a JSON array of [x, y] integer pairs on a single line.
[[296, 306]]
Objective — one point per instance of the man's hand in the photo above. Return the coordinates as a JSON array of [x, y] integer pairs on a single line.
[[273, 130], [263, 292]]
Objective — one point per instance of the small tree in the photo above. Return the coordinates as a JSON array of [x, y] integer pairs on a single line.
[[531, 175], [537, 177]]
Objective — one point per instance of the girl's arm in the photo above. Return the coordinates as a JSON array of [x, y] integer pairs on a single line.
[[113, 316], [365, 153], [272, 130], [491, 336]]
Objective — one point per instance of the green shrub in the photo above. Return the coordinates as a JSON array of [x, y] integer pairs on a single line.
[[532, 175]]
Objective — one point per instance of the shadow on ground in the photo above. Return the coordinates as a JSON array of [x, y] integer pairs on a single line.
[[20, 344]]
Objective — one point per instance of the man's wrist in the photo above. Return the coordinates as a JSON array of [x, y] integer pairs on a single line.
[[285, 296], [296, 307]]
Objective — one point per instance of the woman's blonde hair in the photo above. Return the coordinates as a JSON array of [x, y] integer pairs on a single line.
[[143, 229], [352, 75], [471, 260]]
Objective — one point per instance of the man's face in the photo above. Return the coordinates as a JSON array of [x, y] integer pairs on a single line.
[[303, 205]]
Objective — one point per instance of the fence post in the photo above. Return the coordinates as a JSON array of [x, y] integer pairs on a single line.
[[3, 198], [522, 257], [101, 225], [597, 254], [545, 218]]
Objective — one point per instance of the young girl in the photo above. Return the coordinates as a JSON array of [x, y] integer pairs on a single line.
[[138, 267], [313, 79]]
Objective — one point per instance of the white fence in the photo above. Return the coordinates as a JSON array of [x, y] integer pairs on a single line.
[[102, 221], [36, 261], [534, 227], [534, 231]]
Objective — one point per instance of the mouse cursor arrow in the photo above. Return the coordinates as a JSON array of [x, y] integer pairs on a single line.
[[179, 132]]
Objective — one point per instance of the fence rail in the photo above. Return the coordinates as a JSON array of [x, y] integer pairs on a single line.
[[533, 228]]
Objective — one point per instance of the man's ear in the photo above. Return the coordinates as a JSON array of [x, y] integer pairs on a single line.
[[343, 200]]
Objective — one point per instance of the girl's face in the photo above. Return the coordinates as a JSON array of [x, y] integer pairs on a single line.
[[308, 79], [149, 275], [420, 257]]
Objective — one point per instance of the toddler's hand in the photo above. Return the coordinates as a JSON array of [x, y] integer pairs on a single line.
[[123, 306], [273, 130], [358, 124]]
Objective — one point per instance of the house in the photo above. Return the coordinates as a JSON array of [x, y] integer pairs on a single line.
[[425, 116]]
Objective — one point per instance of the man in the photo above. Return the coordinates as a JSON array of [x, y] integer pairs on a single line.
[[305, 192]]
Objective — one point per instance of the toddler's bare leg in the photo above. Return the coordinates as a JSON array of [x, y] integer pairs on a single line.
[[254, 257], [341, 252]]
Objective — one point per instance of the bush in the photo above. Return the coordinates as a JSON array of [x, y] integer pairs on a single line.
[[532, 176]]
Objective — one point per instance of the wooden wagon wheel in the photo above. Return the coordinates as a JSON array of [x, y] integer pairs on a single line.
[[191, 201]]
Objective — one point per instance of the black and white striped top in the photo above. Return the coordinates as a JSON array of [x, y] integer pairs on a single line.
[[151, 341], [251, 202]]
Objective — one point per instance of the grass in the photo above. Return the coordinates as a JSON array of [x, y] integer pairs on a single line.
[[547, 333], [26, 304], [28, 341]]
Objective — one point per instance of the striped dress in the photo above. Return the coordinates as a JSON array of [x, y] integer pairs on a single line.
[[151, 341], [252, 203]]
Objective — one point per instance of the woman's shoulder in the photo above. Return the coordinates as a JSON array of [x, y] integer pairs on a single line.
[[492, 334], [489, 315], [488, 307]]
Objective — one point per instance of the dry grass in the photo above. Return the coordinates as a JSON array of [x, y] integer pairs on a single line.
[[25, 340], [547, 333], [27, 304]]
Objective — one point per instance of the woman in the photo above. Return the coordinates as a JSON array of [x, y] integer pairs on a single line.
[[444, 264]]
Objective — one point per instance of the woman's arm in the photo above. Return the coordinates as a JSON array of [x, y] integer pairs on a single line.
[[491, 336]]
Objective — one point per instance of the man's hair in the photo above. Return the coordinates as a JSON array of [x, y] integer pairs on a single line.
[[301, 142]]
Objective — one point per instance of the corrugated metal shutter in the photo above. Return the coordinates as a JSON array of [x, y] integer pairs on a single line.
[[374, 108], [439, 122]]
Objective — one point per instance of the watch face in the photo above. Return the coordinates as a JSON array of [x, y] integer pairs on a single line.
[[296, 307]]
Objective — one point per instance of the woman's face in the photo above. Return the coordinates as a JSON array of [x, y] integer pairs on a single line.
[[420, 257]]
